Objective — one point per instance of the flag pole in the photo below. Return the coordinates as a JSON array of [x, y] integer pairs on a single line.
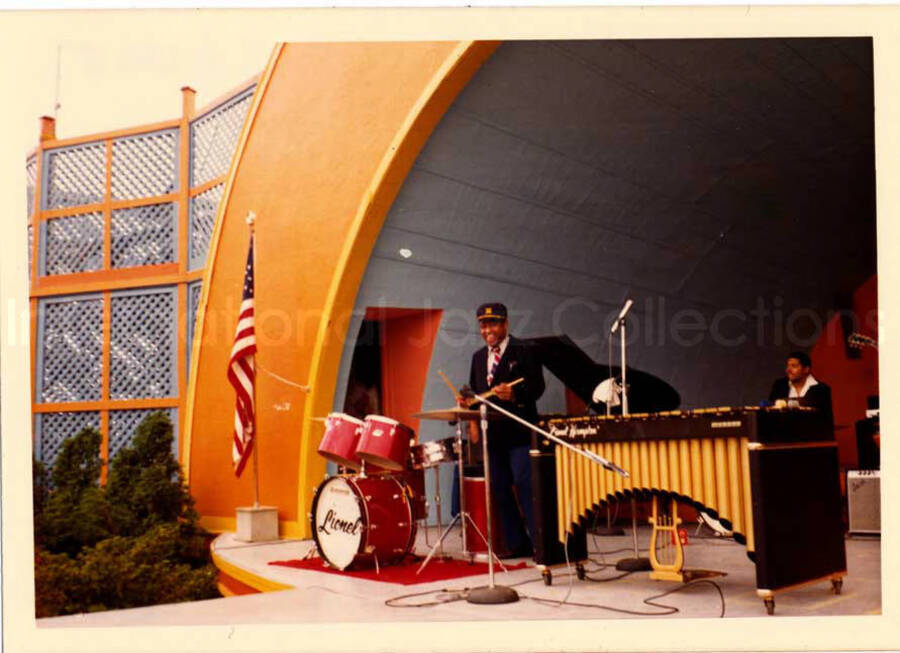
[[251, 222]]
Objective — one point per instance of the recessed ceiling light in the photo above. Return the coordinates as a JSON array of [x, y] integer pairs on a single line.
[[405, 253]]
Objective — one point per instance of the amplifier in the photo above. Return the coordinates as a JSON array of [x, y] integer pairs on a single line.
[[864, 500]]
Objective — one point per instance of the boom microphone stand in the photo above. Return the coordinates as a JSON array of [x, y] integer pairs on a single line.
[[495, 594], [637, 563]]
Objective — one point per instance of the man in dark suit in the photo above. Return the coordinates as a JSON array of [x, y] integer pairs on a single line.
[[800, 387], [503, 360]]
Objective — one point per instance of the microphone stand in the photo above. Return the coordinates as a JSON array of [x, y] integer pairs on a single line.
[[496, 594], [636, 563]]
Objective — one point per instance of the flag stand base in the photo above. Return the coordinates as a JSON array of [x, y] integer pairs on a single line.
[[257, 524]]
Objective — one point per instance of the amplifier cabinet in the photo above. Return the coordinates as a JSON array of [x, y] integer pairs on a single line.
[[864, 501]]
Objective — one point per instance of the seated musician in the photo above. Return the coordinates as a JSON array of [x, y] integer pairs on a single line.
[[503, 360], [800, 387]]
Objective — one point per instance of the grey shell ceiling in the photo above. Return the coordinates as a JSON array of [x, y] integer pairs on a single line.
[[726, 185]]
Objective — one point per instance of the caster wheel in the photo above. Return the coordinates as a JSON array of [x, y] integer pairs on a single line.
[[547, 576], [579, 572], [836, 585], [770, 605]]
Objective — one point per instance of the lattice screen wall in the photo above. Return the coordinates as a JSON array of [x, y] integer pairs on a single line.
[[144, 235], [124, 423], [135, 198], [55, 428], [145, 165], [74, 176], [194, 291], [142, 344], [70, 349], [72, 244], [203, 218], [30, 184], [30, 181], [214, 137]]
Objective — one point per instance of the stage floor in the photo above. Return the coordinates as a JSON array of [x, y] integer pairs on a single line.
[[317, 597]]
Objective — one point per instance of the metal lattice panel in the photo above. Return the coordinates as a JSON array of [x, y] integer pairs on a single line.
[[194, 291], [73, 244], [143, 235], [145, 165], [75, 176], [214, 137], [203, 219], [123, 424], [55, 428], [30, 248], [142, 347], [30, 181], [71, 346]]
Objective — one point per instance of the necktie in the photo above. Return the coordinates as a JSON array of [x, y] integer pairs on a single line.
[[495, 360]]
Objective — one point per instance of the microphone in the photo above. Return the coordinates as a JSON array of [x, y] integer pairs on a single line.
[[621, 317]]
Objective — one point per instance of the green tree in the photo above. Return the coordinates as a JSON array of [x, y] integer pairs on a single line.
[[146, 486], [131, 543], [76, 513]]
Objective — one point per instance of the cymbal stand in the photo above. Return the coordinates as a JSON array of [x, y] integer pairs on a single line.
[[461, 516]]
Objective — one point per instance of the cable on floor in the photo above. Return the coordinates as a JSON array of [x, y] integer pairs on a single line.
[[446, 596], [651, 601]]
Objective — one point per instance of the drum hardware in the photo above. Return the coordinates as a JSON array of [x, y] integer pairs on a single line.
[[431, 454], [495, 594], [458, 415]]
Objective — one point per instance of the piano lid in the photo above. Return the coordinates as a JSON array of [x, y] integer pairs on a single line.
[[581, 374]]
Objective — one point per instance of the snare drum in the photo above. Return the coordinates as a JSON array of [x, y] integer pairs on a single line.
[[357, 521], [429, 454], [340, 440], [385, 442]]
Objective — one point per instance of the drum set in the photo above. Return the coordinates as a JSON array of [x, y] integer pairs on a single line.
[[367, 515]]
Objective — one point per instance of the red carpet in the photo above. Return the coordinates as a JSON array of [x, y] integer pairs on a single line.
[[404, 573]]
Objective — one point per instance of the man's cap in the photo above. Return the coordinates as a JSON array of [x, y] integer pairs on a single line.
[[492, 311]]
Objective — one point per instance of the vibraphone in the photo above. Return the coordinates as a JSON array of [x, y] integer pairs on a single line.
[[769, 475]]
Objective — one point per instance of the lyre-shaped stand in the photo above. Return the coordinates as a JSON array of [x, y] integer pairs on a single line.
[[666, 550]]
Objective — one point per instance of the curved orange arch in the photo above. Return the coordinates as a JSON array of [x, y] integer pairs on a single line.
[[333, 132]]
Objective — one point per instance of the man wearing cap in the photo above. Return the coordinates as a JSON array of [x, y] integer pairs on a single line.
[[503, 360]]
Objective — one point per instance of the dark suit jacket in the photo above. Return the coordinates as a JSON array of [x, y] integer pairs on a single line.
[[818, 396], [517, 361]]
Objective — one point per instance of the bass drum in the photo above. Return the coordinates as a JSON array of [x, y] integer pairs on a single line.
[[358, 522]]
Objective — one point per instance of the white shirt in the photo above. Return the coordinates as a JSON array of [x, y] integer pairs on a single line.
[[792, 389], [502, 346]]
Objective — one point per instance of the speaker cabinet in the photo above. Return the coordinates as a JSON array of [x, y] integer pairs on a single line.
[[864, 501]]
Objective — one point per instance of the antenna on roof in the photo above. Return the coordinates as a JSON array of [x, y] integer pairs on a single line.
[[56, 104]]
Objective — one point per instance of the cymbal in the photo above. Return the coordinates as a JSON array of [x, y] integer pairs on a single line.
[[454, 414]]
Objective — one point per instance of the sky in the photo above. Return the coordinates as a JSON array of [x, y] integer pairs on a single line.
[[106, 85]]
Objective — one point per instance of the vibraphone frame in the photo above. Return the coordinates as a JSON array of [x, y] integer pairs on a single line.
[[770, 475]]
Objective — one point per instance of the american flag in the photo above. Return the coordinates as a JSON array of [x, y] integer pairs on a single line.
[[242, 373]]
